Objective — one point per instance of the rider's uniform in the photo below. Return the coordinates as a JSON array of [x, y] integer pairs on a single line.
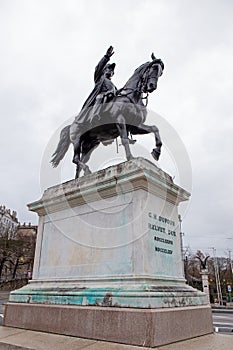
[[103, 91]]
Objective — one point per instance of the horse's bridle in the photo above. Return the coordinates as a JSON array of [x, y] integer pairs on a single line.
[[144, 77]]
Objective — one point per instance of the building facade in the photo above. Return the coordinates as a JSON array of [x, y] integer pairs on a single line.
[[17, 246], [8, 223]]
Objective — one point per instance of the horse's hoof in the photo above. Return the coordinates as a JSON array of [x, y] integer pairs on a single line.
[[76, 160], [87, 172], [155, 153], [77, 174], [132, 142]]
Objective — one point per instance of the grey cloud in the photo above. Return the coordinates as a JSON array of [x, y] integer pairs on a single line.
[[48, 53]]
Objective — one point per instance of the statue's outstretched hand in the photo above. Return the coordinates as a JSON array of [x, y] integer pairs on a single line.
[[109, 52]]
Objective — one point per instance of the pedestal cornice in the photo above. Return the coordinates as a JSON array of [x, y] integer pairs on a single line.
[[137, 174]]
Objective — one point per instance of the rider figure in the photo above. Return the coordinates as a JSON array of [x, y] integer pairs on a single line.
[[104, 89]]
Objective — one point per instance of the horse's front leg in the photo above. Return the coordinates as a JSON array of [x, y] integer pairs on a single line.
[[123, 135], [158, 143]]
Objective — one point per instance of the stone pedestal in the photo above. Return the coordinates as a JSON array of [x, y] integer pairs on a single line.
[[205, 282], [108, 256]]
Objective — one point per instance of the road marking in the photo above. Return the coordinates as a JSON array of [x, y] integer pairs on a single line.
[[2, 315], [223, 329]]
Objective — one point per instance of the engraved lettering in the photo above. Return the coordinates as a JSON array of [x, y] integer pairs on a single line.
[[163, 240], [163, 250]]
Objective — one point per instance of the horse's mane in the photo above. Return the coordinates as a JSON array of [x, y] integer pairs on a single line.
[[139, 72], [141, 69]]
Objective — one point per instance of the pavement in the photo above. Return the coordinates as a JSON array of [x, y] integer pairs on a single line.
[[20, 339]]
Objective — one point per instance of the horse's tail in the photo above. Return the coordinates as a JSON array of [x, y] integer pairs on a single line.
[[62, 146]]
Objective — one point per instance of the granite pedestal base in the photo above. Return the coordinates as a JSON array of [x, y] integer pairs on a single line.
[[108, 262], [142, 327]]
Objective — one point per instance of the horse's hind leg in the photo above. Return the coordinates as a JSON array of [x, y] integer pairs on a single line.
[[87, 149], [75, 139], [80, 165], [78, 169], [124, 135], [84, 167], [76, 157]]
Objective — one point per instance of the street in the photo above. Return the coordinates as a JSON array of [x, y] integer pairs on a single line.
[[223, 320]]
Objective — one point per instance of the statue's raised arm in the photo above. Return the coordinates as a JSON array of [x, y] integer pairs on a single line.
[[110, 51], [99, 69]]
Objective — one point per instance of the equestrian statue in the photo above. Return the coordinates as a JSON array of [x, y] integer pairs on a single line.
[[108, 113]]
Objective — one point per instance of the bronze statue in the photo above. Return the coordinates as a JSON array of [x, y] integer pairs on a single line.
[[203, 262], [109, 113]]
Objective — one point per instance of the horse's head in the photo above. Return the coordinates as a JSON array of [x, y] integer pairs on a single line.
[[151, 75]]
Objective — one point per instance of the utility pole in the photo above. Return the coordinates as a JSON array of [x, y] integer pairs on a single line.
[[216, 269], [229, 254], [229, 287], [181, 242]]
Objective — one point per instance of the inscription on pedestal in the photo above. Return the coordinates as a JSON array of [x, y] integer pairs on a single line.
[[163, 226]]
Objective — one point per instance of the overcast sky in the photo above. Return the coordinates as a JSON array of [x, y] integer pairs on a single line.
[[48, 51]]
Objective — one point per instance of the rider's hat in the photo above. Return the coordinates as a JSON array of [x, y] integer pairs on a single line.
[[111, 66]]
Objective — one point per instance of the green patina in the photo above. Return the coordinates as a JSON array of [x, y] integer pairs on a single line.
[[115, 297]]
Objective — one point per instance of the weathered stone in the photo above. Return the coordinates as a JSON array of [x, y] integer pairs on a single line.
[[107, 242], [143, 327]]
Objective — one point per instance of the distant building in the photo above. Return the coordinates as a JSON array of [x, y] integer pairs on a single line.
[[17, 247], [26, 234], [8, 223], [26, 231]]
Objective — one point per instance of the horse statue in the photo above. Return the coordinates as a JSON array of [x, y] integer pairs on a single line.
[[123, 115]]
